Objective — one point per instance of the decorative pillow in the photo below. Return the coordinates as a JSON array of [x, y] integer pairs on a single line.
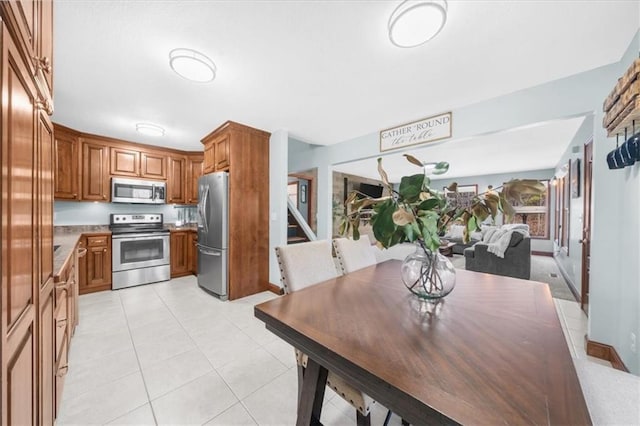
[[476, 236], [514, 226], [516, 237]]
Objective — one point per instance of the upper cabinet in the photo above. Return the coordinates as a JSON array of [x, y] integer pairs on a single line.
[[65, 165], [31, 25], [84, 165], [216, 152], [195, 169], [176, 183], [153, 165], [125, 162], [95, 171]]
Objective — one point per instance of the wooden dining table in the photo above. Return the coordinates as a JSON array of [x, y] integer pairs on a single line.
[[492, 352]]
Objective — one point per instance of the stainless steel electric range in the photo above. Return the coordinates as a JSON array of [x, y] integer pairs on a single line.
[[140, 249]]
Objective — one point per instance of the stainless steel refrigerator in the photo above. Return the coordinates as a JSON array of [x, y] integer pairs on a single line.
[[213, 233]]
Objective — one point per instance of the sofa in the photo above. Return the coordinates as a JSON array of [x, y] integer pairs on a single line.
[[455, 235], [516, 262]]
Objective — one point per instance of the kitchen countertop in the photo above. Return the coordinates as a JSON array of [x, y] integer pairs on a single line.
[[187, 227], [67, 238]]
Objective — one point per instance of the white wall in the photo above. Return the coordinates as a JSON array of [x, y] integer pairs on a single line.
[[278, 158], [615, 242], [496, 180]]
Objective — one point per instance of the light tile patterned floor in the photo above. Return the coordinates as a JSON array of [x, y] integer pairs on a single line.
[[169, 353]]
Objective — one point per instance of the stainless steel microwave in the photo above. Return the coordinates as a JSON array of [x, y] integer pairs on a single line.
[[138, 191]]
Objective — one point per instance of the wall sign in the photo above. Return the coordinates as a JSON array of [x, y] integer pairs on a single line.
[[429, 129]]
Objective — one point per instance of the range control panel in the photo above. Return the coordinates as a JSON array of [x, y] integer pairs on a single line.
[[136, 218]]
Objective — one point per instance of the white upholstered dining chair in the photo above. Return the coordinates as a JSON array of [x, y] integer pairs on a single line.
[[303, 265], [354, 254]]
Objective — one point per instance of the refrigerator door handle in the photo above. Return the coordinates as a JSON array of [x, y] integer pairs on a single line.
[[203, 209], [207, 251]]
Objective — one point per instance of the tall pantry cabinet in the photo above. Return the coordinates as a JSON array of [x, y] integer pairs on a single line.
[[27, 371]]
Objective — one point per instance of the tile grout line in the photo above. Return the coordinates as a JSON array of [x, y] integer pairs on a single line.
[[135, 351]]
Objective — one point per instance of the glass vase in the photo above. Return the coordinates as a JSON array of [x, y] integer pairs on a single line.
[[429, 275]]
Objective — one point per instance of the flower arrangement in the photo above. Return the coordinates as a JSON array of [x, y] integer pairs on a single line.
[[415, 212]]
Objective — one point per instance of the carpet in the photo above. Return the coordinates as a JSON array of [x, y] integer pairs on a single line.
[[543, 269]]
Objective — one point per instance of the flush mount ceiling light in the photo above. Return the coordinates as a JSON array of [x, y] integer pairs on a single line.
[[149, 129], [192, 65], [415, 22]]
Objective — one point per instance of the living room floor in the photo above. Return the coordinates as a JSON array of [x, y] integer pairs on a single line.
[[169, 353]]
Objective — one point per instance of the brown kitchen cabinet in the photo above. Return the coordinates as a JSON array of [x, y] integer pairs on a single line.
[[96, 264], [176, 184], [244, 152], [180, 264], [27, 314], [153, 165], [125, 162], [195, 169], [65, 164], [217, 153], [95, 171], [193, 252]]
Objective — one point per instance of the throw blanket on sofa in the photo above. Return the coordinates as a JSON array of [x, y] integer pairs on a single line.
[[500, 243]]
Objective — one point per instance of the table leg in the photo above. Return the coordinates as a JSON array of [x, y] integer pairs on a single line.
[[310, 398]]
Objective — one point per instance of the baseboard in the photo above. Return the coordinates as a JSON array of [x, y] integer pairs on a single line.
[[275, 289], [606, 352], [541, 253], [569, 281]]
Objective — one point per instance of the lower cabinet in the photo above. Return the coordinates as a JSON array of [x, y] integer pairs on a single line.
[[95, 266], [64, 320], [180, 264], [193, 252], [47, 355]]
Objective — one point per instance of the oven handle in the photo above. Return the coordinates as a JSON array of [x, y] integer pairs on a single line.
[[208, 251], [140, 236]]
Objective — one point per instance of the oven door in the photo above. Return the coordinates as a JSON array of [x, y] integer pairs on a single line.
[[139, 251]]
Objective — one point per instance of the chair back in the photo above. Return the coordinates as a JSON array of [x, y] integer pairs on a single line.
[[354, 254], [305, 264]]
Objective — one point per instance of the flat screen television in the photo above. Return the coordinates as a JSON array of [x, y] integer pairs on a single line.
[[374, 191]]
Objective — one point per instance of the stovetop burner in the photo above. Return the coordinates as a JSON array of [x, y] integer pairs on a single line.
[[136, 223]]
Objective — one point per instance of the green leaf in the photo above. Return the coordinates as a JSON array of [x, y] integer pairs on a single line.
[[472, 225], [429, 204], [410, 187], [441, 168]]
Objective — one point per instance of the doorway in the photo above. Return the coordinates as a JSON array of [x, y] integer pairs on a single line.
[[586, 226]]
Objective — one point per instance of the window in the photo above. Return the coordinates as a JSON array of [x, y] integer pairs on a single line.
[[534, 211]]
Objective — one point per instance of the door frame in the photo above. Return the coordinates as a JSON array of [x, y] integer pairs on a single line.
[[586, 225]]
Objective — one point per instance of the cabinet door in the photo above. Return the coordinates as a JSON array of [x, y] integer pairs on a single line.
[[222, 153], [193, 252], [176, 181], [47, 355], [179, 253], [125, 162], [98, 273], [194, 171], [19, 287], [209, 158], [153, 166], [45, 42], [66, 166], [95, 172]]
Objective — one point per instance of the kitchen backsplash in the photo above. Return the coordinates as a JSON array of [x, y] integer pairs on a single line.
[[87, 213]]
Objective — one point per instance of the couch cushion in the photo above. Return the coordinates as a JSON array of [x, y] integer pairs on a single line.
[[516, 237]]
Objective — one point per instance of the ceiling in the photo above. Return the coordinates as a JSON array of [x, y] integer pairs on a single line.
[[534, 147], [324, 70]]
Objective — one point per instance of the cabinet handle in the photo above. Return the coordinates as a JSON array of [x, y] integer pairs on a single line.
[[104, 250], [75, 195], [62, 371], [62, 323], [104, 197], [82, 252]]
